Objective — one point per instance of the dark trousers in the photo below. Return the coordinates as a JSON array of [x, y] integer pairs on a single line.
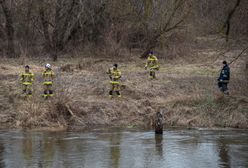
[[27, 89], [152, 74], [223, 86], [117, 92], [48, 90], [115, 88]]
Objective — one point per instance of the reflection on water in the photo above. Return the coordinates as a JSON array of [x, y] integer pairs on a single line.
[[223, 153], [125, 149], [115, 139], [27, 144], [159, 144], [1, 155]]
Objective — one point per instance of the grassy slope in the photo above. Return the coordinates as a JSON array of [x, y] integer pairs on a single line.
[[186, 93]]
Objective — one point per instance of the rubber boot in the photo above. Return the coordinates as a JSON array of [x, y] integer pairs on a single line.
[[23, 91], [45, 95], [111, 94], [29, 93], [118, 94], [50, 93]]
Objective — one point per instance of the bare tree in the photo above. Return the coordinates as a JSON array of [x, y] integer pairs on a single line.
[[59, 25], [28, 19], [228, 19], [45, 25], [9, 28], [67, 14], [170, 19]]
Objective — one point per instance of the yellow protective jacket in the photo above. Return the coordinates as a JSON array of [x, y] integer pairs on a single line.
[[27, 78], [48, 76], [152, 62], [114, 74]]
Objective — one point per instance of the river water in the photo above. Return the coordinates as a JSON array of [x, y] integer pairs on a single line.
[[124, 148]]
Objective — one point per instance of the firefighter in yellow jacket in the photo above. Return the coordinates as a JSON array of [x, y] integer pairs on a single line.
[[152, 64], [115, 76], [48, 77], [27, 79]]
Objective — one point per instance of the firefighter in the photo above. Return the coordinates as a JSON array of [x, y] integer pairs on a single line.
[[27, 79], [48, 78], [224, 78], [115, 76], [152, 65]]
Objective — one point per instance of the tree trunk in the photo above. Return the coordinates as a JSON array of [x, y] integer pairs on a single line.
[[45, 26], [56, 43], [27, 29], [228, 20], [148, 6], [246, 69], [65, 22], [9, 29], [69, 16]]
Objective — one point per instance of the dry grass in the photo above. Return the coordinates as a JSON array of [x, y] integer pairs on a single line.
[[187, 93], [208, 111]]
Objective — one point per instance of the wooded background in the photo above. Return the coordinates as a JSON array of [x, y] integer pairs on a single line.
[[51, 27]]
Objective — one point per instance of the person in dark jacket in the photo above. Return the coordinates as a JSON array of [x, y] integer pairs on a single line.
[[224, 78]]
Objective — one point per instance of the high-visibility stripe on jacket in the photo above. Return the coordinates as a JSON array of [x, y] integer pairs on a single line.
[[114, 82], [115, 74], [27, 78], [152, 62], [48, 76]]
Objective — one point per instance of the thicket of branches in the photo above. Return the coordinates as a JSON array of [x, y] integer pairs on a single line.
[[54, 26]]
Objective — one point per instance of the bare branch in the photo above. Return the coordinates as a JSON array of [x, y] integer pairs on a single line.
[[238, 56]]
